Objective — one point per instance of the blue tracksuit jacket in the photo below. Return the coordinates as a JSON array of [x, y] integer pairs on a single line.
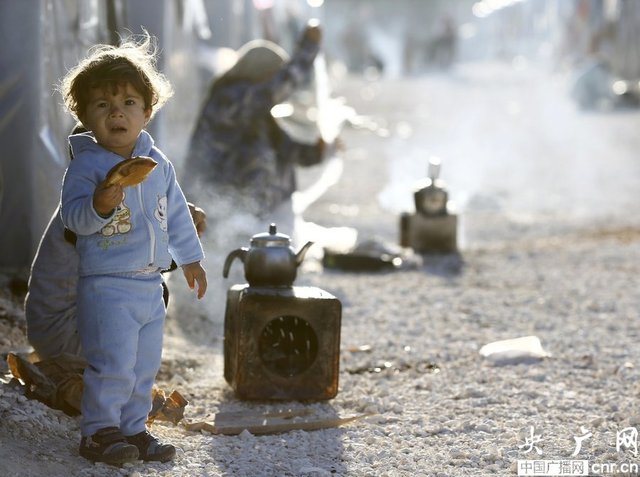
[[150, 227]]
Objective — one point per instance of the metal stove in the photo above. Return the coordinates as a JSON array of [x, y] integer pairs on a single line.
[[280, 341], [433, 226]]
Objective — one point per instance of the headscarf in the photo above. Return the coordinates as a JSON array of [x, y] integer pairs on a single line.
[[257, 60]]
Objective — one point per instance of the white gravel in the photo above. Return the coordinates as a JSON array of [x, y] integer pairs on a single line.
[[440, 408]]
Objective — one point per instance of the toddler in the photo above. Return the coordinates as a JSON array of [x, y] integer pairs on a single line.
[[126, 237]]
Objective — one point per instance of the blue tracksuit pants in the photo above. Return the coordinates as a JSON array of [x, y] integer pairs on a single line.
[[120, 323]]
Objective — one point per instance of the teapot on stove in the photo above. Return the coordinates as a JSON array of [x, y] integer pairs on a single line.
[[431, 197], [269, 261]]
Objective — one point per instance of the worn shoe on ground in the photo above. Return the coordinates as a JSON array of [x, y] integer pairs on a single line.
[[108, 445], [150, 448]]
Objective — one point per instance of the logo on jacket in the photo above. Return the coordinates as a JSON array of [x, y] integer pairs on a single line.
[[161, 212], [120, 223]]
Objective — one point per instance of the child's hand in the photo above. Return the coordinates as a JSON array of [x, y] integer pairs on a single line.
[[199, 218], [194, 273], [105, 199]]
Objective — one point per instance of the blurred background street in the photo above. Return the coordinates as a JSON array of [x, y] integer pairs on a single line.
[[517, 154]]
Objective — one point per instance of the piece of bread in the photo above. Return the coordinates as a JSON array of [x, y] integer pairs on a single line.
[[130, 172]]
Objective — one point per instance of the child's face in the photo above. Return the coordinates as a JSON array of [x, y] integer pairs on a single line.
[[116, 119]]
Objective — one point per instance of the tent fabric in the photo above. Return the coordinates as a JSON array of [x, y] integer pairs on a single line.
[[19, 78]]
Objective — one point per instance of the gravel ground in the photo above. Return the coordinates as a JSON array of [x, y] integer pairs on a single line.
[[563, 268]]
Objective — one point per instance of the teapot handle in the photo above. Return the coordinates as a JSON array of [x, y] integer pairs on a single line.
[[239, 253]]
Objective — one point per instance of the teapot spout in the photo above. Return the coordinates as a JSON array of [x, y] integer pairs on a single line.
[[303, 251], [240, 253]]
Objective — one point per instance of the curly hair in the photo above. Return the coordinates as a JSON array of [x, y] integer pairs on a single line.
[[108, 67]]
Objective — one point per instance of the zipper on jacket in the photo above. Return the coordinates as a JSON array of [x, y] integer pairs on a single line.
[[152, 235]]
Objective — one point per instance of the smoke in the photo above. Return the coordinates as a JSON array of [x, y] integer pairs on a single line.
[[512, 142], [229, 226]]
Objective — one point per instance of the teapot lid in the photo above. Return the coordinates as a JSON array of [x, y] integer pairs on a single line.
[[270, 239], [432, 181]]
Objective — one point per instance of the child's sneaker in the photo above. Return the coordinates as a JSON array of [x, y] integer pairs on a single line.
[[108, 445], [150, 448]]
